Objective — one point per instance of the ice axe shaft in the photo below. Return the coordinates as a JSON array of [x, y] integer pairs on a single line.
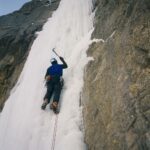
[[55, 52]]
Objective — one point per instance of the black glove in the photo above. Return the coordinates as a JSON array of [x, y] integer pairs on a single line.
[[61, 58], [64, 63]]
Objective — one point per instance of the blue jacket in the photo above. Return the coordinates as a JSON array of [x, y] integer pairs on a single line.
[[56, 69]]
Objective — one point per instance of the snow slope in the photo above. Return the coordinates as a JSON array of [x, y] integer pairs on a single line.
[[23, 125]]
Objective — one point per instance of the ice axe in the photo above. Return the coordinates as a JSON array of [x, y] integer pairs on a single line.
[[55, 52]]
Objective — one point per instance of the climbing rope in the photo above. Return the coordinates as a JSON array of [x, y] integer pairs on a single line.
[[54, 133]]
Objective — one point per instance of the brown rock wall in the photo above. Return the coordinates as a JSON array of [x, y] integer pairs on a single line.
[[116, 93]]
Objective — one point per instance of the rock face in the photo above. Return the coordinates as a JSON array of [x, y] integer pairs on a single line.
[[17, 32], [116, 93]]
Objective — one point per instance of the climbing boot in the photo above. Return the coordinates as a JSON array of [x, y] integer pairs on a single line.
[[51, 106], [44, 104], [54, 107]]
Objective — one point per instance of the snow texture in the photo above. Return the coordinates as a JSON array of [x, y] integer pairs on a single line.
[[23, 125]]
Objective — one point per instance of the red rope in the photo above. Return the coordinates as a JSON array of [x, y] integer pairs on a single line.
[[54, 133]]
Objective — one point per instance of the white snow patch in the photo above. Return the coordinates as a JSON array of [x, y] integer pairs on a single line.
[[98, 40]]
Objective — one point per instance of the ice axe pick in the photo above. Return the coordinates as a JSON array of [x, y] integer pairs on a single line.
[[55, 52]]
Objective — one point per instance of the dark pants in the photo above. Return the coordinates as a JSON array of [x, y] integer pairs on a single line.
[[54, 86]]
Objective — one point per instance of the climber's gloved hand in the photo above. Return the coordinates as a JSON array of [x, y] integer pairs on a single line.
[[61, 58], [64, 63]]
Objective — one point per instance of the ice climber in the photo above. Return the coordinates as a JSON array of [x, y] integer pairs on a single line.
[[54, 83]]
